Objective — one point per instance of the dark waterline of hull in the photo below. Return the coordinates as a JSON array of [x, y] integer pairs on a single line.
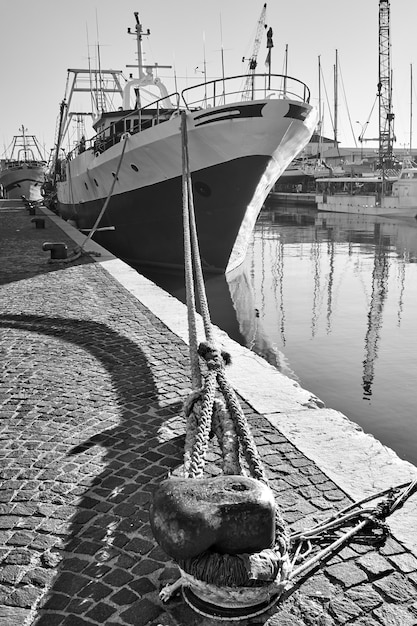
[[148, 222]]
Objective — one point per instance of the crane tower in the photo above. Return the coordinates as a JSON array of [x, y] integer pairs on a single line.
[[253, 62], [386, 116]]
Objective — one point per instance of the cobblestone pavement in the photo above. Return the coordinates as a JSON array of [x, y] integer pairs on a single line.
[[90, 420]]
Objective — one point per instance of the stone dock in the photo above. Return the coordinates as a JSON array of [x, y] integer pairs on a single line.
[[95, 369]]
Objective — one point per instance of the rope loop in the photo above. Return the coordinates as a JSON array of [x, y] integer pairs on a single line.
[[216, 359]]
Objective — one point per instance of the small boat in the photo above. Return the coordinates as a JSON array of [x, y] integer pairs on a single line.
[[389, 194], [22, 172], [243, 131]]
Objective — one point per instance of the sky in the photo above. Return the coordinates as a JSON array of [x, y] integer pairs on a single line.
[[41, 40]]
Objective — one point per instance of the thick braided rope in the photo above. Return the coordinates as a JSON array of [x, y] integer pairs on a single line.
[[213, 357], [195, 447], [215, 363], [199, 278], [188, 260], [224, 428], [192, 412], [195, 467], [248, 445]]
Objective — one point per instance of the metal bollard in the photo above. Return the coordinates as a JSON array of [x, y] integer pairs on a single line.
[[39, 222], [31, 209], [58, 250]]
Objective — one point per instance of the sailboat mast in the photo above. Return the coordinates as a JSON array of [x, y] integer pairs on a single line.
[[320, 125], [336, 96], [285, 69], [222, 59], [411, 106], [24, 142]]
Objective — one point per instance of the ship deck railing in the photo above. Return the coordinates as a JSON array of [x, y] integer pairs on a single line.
[[19, 164], [243, 88], [130, 122]]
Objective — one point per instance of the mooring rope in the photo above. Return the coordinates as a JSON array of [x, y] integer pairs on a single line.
[[375, 516], [204, 408], [109, 195], [79, 250]]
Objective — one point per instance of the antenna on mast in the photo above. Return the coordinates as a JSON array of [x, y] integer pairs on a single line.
[[222, 58], [139, 34], [336, 98]]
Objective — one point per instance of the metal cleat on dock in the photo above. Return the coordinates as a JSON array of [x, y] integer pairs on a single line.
[[58, 250], [39, 222]]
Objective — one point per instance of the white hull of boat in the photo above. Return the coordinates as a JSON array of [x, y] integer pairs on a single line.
[[236, 152], [366, 205], [23, 180]]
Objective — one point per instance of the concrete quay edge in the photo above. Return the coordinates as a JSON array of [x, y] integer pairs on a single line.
[[355, 461]]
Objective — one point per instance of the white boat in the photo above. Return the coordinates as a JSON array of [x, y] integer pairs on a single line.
[[243, 131], [388, 196], [22, 172]]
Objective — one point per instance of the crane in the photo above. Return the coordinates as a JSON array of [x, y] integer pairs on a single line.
[[248, 86], [386, 116]]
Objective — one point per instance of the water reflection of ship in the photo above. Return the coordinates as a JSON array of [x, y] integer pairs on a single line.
[[222, 310], [384, 238], [257, 339], [232, 308], [387, 237]]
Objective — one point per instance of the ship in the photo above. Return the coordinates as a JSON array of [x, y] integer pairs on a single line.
[[23, 170], [242, 133], [385, 194]]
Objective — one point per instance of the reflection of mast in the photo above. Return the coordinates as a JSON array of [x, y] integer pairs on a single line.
[[378, 296], [315, 253], [401, 271], [280, 268], [263, 235], [331, 253]]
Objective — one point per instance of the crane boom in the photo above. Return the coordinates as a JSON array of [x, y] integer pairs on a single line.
[[253, 59]]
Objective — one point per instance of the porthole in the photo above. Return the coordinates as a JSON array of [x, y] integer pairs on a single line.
[[203, 189], [86, 186], [134, 167], [96, 183], [114, 175]]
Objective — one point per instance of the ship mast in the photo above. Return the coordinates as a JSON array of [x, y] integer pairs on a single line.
[[24, 146], [386, 116], [145, 78], [336, 98], [138, 34]]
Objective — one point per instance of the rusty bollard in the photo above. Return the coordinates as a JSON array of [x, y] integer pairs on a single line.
[[58, 250], [39, 222]]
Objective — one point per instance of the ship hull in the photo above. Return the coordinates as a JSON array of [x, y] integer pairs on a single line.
[[23, 180], [234, 164], [148, 226], [391, 207]]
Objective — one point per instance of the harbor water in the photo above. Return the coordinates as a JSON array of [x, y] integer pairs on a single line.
[[331, 301]]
